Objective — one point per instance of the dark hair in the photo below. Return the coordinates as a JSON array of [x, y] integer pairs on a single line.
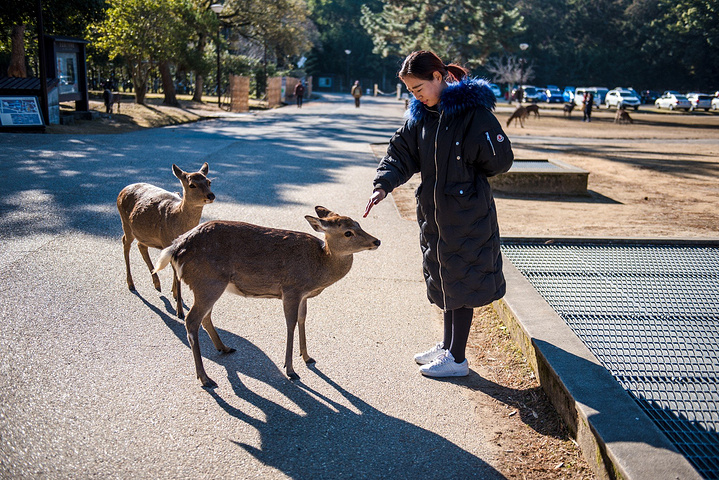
[[422, 64]]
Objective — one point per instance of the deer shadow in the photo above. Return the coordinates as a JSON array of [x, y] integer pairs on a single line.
[[329, 438]]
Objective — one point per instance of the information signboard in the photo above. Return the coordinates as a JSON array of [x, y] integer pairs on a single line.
[[20, 112]]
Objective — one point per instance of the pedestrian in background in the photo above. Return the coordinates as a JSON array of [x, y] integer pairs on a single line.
[[356, 93], [299, 93], [588, 105], [452, 138]]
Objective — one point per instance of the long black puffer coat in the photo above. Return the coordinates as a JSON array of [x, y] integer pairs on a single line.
[[455, 146]]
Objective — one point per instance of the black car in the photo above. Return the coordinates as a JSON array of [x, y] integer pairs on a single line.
[[650, 96]]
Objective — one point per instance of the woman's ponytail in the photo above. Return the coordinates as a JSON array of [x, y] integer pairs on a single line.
[[457, 71]]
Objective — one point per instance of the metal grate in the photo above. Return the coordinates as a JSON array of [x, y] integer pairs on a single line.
[[650, 313]]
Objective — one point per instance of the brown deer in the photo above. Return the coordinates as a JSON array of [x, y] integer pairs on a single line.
[[520, 114], [568, 107], [262, 262], [156, 217], [533, 108], [622, 116]]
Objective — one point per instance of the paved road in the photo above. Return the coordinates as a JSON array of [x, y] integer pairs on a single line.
[[96, 381]]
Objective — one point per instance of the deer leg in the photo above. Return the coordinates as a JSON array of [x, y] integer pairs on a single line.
[[177, 294], [291, 306], [204, 301], [146, 256], [126, 244], [210, 329], [303, 339]]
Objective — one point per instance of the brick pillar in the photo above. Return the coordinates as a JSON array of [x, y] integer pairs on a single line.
[[274, 92], [239, 93]]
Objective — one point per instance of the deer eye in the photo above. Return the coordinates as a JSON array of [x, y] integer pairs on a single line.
[[348, 233], [192, 185]]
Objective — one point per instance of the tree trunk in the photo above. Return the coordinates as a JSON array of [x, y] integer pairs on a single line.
[[199, 87], [199, 79], [139, 79], [168, 86], [17, 58]]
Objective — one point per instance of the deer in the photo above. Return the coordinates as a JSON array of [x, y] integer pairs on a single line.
[[155, 217], [568, 107], [622, 116], [111, 98], [262, 262], [533, 108], [520, 114]]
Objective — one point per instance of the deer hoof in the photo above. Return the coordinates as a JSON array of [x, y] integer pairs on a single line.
[[229, 350], [208, 383], [181, 314], [310, 361], [293, 376]]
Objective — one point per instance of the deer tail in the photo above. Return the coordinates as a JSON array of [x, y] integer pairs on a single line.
[[165, 258]]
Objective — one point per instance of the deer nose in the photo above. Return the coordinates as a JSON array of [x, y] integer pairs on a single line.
[[377, 242], [210, 196]]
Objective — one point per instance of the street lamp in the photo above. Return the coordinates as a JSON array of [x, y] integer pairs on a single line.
[[522, 62], [217, 8], [348, 66]]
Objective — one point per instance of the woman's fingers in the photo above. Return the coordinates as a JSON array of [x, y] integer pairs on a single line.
[[377, 196]]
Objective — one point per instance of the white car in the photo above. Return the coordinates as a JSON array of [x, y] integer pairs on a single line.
[[621, 98], [673, 101], [715, 103], [700, 100]]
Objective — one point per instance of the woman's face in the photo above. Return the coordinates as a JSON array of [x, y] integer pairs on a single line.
[[426, 91]]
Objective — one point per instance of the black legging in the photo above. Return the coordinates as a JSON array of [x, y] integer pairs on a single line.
[[456, 331]]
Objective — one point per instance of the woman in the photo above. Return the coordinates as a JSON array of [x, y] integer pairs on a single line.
[[452, 138]]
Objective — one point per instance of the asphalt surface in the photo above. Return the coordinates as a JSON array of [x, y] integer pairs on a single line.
[[97, 381]]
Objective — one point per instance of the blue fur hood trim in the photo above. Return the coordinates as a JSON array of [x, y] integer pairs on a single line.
[[470, 93]]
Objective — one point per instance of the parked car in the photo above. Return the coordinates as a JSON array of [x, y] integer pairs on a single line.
[[673, 101], [715, 103], [530, 94], [650, 96], [554, 94], [599, 93], [699, 100], [496, 90], [568, 94], [622, 98]]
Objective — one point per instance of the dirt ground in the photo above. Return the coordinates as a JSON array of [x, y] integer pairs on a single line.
[[656, 177]]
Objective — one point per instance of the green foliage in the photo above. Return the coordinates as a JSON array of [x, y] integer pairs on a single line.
[[144, 33], [658, 44], [466, 31]]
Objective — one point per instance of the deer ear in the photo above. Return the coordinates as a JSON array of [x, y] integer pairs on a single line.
[[178, 172], [323, 212], [205, 168], [315, 223]]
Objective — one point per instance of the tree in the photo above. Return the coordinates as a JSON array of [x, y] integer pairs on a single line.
[[465, 31], [146, 33], [60, 17]]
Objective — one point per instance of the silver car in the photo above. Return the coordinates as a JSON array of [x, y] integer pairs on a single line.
[[700, 100], [622, 98], [673, 101]]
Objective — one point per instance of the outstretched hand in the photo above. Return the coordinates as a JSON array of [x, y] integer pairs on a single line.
[[377, 196]]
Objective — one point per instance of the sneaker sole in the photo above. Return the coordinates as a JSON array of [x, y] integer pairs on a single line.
[[447, 375]]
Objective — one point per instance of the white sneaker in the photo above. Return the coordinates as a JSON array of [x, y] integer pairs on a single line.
[[445, 366], [430, 355]]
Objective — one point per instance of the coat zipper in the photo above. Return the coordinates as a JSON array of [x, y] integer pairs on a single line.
[[439, 234], [491, 144]]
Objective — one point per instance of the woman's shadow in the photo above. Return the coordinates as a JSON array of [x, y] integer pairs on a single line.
[[328, 439]]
